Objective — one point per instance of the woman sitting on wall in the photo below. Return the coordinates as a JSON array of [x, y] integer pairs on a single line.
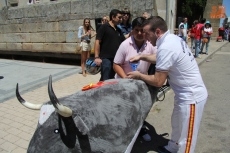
[[84, 33]]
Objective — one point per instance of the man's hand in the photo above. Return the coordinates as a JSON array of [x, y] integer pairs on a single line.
[[135, 59], [134, 75], [97, 61]]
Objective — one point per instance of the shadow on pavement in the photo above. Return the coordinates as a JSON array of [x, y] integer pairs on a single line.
[[141, 146]]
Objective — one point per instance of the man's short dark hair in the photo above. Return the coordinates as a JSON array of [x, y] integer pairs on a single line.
[[156, 22], [138, 22], [113, 13], [203, 20]]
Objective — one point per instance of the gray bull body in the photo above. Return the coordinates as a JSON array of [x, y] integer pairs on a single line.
[[104, 119]]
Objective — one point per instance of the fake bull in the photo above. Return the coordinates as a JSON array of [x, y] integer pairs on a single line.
[[105, 119]]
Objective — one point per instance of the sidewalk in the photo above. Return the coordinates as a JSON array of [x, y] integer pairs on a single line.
[[17, 123]]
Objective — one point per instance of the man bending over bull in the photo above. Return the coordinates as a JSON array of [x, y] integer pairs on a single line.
[[175, 61]]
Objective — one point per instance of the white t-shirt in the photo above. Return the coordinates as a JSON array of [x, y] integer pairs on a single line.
[[207, 30], [182, 29], [127, 50], [175, 57]]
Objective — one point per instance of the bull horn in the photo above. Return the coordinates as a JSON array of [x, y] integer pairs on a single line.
[[25, 103], [61, 109]]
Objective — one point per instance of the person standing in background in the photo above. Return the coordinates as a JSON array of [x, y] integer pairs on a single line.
[[206, 34], [146, 15], [198, 35], [183, 29], [105, 19], [84, 33], [226, 32], [125, 25], [108, 39], [192, 34]]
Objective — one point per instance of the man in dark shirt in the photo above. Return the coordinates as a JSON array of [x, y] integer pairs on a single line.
[[108, 39]]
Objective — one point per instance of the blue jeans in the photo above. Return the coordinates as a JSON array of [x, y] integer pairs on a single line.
[[197, 47], [107, 71], [192, 42], [207, 44], [183, 37]]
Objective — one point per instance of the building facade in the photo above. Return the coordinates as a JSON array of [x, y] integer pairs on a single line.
[[50, 27]]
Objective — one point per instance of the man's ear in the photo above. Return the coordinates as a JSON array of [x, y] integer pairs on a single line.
[[158, 32], [113, 16], [131, 33]]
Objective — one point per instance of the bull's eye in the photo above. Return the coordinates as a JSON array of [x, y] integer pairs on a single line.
[[56, 131]]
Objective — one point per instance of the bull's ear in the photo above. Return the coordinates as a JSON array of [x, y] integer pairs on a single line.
[[62, 110], [80, 124]]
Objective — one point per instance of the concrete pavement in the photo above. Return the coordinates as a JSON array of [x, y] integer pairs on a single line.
[[17, 123]]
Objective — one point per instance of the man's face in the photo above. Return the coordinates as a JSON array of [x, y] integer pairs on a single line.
[[117, 19], [150, 35], [138, 33], [185, 20]]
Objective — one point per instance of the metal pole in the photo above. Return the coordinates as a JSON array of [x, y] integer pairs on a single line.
[[6, 2], [167, 11]]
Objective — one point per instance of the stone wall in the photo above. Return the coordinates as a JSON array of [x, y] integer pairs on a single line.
[[51, 26]]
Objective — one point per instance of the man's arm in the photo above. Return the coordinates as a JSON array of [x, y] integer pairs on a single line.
[[118, 69], [97, 59], [148, 58], [156, 80], [97, 48]]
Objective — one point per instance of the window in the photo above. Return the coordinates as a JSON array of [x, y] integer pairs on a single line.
[[13, 3]]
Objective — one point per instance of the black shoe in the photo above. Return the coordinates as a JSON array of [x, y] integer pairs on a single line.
[[144, 134], [1, 77], [162, 149]]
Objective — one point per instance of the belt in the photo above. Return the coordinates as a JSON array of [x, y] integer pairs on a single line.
[[86, 41]]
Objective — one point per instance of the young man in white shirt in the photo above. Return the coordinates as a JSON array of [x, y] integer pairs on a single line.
[[175, 61], [183, 28]]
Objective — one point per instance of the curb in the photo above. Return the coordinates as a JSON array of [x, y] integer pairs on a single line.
[[211, 55]]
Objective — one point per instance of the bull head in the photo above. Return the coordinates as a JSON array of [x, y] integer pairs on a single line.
[[62, 110], [65, 116]]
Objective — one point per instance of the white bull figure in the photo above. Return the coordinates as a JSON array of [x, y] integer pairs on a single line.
[[105, 119]]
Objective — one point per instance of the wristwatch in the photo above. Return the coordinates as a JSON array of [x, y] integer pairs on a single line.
[[96, 57]]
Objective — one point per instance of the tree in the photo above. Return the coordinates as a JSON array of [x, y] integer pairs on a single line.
[[192, 9]]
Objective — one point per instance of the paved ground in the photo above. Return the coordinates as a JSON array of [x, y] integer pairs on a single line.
[[17, 123]]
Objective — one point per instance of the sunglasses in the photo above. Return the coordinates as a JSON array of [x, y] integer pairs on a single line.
[[126, 14]]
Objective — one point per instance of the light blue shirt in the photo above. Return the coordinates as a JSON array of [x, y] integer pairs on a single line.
[[81, 32]]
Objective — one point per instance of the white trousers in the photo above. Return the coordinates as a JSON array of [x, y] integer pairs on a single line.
[[185, 126]]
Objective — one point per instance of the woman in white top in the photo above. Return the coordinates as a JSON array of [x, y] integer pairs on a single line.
[[84, 33], [206, 34]]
